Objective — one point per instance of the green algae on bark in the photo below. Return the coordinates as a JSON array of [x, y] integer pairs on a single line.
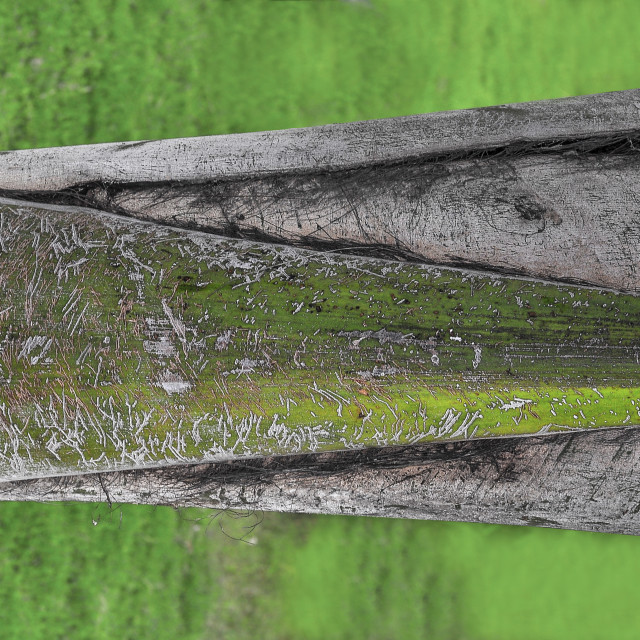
[[125, 343]]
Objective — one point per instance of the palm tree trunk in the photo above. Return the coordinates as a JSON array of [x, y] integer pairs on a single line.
[[460, 276]]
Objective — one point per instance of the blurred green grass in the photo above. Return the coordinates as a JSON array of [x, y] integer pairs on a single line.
[[122, 69], [377, 579], [62, 576], [88, 71]]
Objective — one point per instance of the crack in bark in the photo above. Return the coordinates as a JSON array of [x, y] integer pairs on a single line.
[[87, 194], [505, 480], [312, 185]]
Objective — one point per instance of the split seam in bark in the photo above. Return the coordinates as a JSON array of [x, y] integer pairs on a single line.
[[514, 189], [582, 480], [240, 201], [302, 349]]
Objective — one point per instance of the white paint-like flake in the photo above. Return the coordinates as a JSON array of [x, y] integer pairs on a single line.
[[516, 403], [477, 356], [32, 343], [175, 386], [245, 366], [172, 383], [162, 347], [176, 323], [223, 341], [463, 430]]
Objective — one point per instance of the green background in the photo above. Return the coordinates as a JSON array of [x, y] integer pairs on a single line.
[[98, 71]]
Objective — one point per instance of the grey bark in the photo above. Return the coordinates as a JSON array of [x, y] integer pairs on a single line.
[[548, 190], [545, 189], [584, 480]]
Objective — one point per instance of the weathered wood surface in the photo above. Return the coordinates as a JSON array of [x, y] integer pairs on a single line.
[[583, 480], [131, 345], [125, 343], [547, 189]]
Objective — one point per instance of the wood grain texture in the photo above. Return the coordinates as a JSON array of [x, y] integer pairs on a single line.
[[133, 348], [334, 146], [569, 218], [587, 481], [124, 343], [544, 189]]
